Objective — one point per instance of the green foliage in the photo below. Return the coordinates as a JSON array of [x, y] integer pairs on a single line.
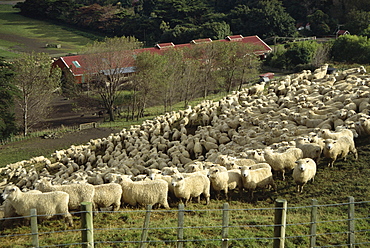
[[301, 52], [189, 20], [299, 55], [214, 30], [263, 18], [358, 21], [319, 23], [277, 59], [7, 93], [366, 32], [352, 49]]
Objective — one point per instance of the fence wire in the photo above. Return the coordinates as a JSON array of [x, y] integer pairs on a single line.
[[362, 231]]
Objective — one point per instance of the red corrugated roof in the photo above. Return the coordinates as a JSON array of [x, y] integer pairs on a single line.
[[253, 40], [165, 45], [70, 62], [199, 41], [76, 63]]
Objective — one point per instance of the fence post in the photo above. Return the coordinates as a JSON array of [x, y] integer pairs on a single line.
[[313, 226], [144, 234], [87, 225], [225, 226], [180, 226], [351, 221], [34, 228], [280, 223]]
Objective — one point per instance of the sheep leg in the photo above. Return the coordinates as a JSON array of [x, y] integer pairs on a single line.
[[226, 195], [207, 199], [355, 153], [68, 219]]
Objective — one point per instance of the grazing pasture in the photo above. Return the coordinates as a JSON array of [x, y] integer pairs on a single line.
[[22, 34]]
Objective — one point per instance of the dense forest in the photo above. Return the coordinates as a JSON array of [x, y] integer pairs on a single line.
[[180, 21]]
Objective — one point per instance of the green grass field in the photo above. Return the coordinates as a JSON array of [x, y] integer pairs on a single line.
[[22, 34]]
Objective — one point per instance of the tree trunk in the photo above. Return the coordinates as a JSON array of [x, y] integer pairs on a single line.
[[25, 123], [111, 114]]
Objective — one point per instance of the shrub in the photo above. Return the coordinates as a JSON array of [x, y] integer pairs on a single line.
[[351, 48]]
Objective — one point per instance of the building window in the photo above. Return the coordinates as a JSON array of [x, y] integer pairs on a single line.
[[76, 64]]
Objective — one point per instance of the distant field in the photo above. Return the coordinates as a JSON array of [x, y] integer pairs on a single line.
[[21, 34]]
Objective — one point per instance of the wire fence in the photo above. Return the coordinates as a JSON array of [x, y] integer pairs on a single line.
[[51, 133], [332, 225]]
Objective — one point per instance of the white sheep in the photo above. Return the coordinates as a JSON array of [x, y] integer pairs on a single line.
[[187, 187], [282, 161], [328, 134], [257, 176], [9, 210], [107, 195], [225, 180], [47, 205], [145, 192], [234, 163], [339, 148], [310, 150], [77, 192], [304, 170], [257, 89]]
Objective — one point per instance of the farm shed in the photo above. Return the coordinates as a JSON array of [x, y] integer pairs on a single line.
[[76, 66]]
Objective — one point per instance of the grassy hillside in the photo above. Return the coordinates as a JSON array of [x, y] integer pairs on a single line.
[[331, 186], [22, 34]]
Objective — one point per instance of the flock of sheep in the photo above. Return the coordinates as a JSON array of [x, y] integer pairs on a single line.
[[247, 140]]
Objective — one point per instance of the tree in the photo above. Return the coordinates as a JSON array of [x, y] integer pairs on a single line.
[[7, 93], [358, 21], [146, 80], [262, 18], [207, 54], [351, 48], [36, 80], [237, 62], [107, 63], [301, 52], [319, 22]]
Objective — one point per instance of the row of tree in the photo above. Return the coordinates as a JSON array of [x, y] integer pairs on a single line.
[[174, 76], [311, 54], [179, 21], [27, 84]]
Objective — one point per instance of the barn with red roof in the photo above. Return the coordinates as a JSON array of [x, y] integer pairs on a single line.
[[76, 66]]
